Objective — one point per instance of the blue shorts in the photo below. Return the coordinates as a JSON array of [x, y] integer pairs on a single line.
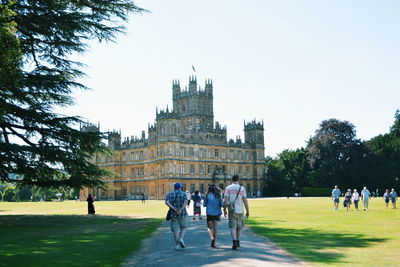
[[336, 200], [386, 200], [393, 200]]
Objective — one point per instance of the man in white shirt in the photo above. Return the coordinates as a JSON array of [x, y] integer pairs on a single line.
[[365, 195], [234, 198]]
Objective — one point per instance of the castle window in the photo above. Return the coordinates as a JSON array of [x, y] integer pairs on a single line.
[[182, 151], [239, 153], [248, 170], [141, 155], [240, 170], [223, 169], [132, 172], [132, 155], [161, 150], [232, 170], [162, 169], [123, 173], [247, 155], [201, 168], [191, 151], [182, 169], [231, 154], [216, 153], [192, 168], [173, 129]]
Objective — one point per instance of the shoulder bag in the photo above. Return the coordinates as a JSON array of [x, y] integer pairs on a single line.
[[231, 206]]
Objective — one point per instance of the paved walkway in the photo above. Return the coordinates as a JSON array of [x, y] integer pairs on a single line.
[[159, 250]]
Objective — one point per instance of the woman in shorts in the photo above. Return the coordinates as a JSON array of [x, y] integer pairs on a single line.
[[356, 198], [213, 203], [386, 198]]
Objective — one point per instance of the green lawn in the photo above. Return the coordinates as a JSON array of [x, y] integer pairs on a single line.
[[310, 229], [60, 234]]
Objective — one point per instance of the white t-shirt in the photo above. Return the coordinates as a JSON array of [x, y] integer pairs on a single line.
[[231, 192], [355, 196]]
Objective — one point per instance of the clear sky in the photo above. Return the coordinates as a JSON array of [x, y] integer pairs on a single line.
[[291, 63]]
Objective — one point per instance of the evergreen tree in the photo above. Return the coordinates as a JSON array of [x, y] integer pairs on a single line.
[[37, 38]]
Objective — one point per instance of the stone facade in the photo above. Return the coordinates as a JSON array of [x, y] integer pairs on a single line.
[[182, 145]]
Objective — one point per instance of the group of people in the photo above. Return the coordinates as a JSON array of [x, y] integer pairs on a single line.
[[233, 204], [365, 195]]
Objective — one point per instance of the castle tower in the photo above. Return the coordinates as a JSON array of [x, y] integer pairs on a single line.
[[254, 133], [114, 139]]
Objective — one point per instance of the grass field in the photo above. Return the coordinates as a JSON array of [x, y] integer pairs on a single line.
[[46, 234], [310, 229], [56, 233]]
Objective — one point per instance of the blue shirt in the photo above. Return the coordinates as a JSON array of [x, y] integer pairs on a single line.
[[178, 203], [393, 194], [336, 193], [213, 205]]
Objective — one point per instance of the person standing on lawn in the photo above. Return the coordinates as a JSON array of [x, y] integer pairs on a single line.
[[235, 198], [393, 196], [177, 201], [365, 195], [335, 197]]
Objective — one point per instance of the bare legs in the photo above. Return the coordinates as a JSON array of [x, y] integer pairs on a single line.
[[212, 228]]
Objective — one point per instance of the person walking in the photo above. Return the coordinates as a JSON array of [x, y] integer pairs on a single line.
[[355, 198], [386, 196], [365, 195], [213, 203], [90, 201], [335, 197], [176, 201], [393, 196], [235, 198], [143, 198], [188, 196], [347, 199], [196, 205]]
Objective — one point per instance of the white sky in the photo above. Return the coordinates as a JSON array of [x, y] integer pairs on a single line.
[[290, 63]]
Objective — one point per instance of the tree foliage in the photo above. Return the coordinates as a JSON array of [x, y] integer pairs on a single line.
[[37, 39], [335, 156]]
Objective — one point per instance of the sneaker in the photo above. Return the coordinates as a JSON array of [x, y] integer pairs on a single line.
[[194, 218], [177, 247], [234, 244], [181, 243]]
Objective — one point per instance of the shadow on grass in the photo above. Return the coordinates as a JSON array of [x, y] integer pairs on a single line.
[[51, 240], [310, 244]]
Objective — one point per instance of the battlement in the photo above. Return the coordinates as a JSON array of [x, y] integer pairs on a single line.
[[193, 89], [253, 125], [166, 114], [90, 127]]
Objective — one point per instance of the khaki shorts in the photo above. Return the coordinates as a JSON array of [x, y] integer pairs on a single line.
[[178, 223], [236, 220]]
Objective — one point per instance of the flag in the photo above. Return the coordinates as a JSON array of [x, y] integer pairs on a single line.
[[193, 68]]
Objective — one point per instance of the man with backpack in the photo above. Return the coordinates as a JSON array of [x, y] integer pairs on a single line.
[[177, 201], [234, 199]]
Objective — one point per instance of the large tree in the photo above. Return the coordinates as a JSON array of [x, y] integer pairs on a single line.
[[334, 153], [37, 75]]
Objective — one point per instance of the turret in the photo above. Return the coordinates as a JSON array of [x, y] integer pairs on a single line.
[[192, 84], [114, 139], [176, 87], [254, 133], [209, 86]]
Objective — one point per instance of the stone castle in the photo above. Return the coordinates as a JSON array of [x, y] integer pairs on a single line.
[[184, 144]]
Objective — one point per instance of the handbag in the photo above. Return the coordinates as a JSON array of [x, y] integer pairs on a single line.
[[168, 217], [231, 206]]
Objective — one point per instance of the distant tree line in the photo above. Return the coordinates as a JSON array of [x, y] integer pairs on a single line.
[[335, 156]]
